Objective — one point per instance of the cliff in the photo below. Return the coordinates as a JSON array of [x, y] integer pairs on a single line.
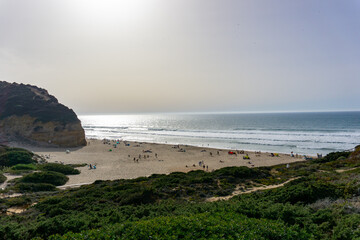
[[29, 113]]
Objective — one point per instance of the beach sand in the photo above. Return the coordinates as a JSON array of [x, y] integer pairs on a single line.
[[119, 162]]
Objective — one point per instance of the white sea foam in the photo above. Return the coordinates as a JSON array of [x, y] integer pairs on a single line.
[[304, 133]]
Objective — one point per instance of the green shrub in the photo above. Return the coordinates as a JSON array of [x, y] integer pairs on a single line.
[[304, 190], [56, 167], [12, 158], [54, 178], [18, 201], [23, 167], [333, 156], [35, 187], [2, 178], [198, 226]]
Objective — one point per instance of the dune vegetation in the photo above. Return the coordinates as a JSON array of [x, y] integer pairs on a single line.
[[320, 201]]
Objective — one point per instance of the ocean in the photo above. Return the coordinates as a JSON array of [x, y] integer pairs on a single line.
[[302, 133]]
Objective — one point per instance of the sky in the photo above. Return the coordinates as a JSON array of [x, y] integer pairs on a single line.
[[131, 56]]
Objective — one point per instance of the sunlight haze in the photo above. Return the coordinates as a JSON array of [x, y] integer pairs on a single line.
[[179, 56]]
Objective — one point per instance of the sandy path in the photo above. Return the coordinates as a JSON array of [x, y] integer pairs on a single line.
[[8, 178], [238, 192]]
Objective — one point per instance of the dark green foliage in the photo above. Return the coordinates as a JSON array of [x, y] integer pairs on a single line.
[[11, 158], [24, 167], [35, 187], [172, 207], [222, 225], [333, 156], [19, 201], [304, 190], [2, 178], [61, 168], [54, 178]]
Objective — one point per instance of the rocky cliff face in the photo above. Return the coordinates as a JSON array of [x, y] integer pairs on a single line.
[[29, 113]]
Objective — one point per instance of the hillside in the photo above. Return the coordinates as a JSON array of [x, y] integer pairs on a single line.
[[29, 113], [321, 200]]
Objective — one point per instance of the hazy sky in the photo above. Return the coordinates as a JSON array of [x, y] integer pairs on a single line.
[[185, 55]]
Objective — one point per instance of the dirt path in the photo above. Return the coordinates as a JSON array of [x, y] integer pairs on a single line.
[[74, 185], [345, 170], [8, 178], [238, 192]]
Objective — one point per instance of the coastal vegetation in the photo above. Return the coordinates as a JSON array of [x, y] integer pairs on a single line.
[[320, 201], [12, 156], [60, 168], [37, 175]]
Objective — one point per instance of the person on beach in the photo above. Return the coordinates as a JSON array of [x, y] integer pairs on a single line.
[[90, 166], [156, 155]]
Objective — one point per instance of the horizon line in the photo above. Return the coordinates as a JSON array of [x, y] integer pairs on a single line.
[[219, 112]]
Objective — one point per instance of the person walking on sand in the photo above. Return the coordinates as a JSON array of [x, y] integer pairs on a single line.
[[90, 166]]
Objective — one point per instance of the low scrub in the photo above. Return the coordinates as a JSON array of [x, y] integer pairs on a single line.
[[333, 156], [35, 187], [24, 167], [2, 178], [54, 178], [61, 168], [199, 226], [12, 158]]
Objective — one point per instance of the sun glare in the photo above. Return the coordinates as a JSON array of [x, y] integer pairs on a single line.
[[114, 12]]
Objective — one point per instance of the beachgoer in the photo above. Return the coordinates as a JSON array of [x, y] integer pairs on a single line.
[[156, 155], [90, 166]]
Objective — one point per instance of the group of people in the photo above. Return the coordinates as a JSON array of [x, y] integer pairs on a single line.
[[92, 166], [145, 156], [201, 164]]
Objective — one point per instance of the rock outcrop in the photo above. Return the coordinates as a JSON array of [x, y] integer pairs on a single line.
[[29, 113]]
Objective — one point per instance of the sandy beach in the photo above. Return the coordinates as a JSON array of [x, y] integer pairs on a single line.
[[133, 159]]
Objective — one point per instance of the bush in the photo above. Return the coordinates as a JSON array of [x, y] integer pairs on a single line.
[[199, 226], [23, 167], [333, 156], [2, 178], [35, 187], [56, 167], [54, 178], [12, 158]]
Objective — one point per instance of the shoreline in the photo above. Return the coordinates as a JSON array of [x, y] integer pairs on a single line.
[[129, 160]]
